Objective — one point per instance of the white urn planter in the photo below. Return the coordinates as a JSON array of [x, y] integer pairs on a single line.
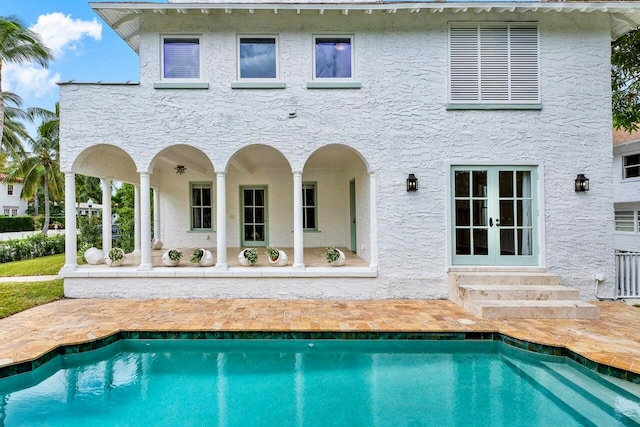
[[243, 260], [156, 244], [167, 261], [340, 261], [282, 259], [94, 256], [207, 258], [115, 262]]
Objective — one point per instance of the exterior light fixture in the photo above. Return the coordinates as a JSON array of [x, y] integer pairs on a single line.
[[412, 183], [582, 183], [180, 169]]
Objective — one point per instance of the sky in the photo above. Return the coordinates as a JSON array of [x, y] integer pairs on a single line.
[[85, 49]]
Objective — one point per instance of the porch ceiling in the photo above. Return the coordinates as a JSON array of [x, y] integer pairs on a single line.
[[124, 18]]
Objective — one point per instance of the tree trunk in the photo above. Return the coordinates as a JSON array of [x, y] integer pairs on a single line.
[[36, 203], [45, 225]]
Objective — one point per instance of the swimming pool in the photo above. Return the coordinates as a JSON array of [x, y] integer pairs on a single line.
[[314, 383]]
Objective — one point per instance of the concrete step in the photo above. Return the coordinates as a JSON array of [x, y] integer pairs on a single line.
[[517, 292], [506, 278], [523, 309]]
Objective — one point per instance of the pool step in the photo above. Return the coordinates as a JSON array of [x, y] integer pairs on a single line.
[[513, 295]]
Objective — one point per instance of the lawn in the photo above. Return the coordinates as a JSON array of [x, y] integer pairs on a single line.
[[44, 266], [16, 297]]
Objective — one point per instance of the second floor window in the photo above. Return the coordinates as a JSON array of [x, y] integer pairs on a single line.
[[631, 166], [626, 221], [180, 57], [493, 63], [333, 57], [201, 207], [258, 57], [10, 190]]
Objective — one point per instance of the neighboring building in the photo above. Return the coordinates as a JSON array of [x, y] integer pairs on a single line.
[[297, 124], [626, 190], [10, 202]]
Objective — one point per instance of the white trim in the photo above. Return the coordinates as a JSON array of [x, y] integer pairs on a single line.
[[275, 79], [352, 40], [180, 79]]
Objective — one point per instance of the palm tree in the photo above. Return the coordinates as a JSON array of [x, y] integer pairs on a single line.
[[42, 167], [17, 45], [14, 130]]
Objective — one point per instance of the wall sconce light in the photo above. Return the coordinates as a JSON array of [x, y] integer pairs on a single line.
[[412, 183], [582, 183], [180, 169]]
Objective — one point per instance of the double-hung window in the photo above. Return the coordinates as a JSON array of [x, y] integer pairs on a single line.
[[180, 57], [333, 57], [258, 57], [493, 63], [9, 189], [309, 208], [631, 166], [201, 207]]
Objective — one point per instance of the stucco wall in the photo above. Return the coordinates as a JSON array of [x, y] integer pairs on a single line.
[[626, 195], [397, 122]]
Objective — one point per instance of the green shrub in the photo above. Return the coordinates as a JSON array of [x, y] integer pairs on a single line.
[[16, 223], [90, 234], [31, 247]]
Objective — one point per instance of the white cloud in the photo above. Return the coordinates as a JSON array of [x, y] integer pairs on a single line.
[[61, 34]]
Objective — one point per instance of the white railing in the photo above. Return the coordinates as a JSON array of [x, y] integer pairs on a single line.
[[627, 275]]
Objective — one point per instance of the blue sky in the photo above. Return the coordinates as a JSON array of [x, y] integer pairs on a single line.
[[86, 49]]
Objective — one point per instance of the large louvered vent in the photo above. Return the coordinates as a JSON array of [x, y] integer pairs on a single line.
[[494, 63]]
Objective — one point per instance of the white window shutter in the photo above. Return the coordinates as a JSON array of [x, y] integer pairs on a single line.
[[464, 63], [493, 63]]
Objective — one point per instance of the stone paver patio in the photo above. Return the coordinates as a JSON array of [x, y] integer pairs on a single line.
[[613, 340]]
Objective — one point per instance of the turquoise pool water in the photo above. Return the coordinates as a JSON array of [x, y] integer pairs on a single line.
[[313, 383]]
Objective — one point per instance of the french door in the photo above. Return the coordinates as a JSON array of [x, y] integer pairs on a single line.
[[253, 211], [494, 215]]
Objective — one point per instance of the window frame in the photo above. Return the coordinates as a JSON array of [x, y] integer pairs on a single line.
[[480, 103], [9, 189], [634, 220], [203, 184], [314, 184], [626, 167], [239, 38], [164, 37], [351, 38]]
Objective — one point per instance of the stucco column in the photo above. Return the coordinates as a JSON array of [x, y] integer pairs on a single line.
[[221, 220], [70, 227], [373, 221], [298, 232], [136, 219], [156, 214], [145, 222], [106, 216]]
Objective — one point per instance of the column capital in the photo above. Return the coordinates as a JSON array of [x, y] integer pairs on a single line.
[[296, 173], [221, 173]]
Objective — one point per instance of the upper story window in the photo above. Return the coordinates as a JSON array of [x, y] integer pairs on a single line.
[[626, 221], [180, 57], [493, 63], [258, 57], [333, 57], [631, 166], [10, 189]]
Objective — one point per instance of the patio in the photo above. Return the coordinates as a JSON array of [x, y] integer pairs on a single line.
[[613, 340]]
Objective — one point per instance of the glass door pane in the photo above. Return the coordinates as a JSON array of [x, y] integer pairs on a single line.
[[254, 218], [471, 215]]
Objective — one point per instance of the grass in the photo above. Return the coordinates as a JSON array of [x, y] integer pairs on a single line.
[[44, 266], [16, 297]]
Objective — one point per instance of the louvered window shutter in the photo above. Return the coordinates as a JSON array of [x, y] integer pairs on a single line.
[[493, 63]]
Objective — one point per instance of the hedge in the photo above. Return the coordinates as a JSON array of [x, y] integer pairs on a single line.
[[16, 223], [31, 247]]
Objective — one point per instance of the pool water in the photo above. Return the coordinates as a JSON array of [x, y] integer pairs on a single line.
[[313, 383]]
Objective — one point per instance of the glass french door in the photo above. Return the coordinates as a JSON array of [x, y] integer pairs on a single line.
[[495, 215], [254, 216]]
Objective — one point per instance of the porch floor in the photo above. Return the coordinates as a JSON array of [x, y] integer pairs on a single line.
[[612, 340], [313, 257]]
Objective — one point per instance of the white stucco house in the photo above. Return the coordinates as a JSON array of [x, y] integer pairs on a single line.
[[10, 202], [297, 124]]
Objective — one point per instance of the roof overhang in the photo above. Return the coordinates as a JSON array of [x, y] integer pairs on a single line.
[[124, 17]]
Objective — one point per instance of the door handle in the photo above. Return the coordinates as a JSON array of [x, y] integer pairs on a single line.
[[490, 222], [497, 222]]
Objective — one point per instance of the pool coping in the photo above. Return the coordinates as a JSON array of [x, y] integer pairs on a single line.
[[546, 349]]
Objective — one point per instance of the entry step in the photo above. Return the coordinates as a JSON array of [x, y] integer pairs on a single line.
[[518, 292], [539, 309]]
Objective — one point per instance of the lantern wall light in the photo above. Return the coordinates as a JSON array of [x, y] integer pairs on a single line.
[[582, 183], [412, 183]]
